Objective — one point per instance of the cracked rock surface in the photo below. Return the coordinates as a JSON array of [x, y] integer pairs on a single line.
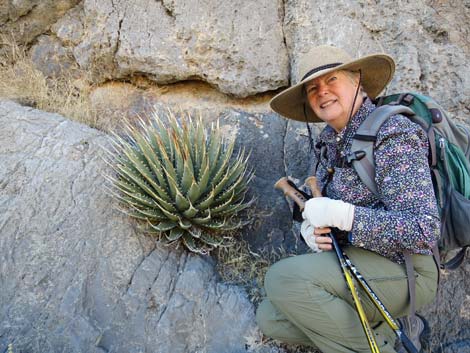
[[222, 43], [76, 276]]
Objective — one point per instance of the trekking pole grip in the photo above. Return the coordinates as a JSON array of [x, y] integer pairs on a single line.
[[311, 182], [283, 185]]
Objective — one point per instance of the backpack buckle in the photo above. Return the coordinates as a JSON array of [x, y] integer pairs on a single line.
[[354, 156], [407, 99]]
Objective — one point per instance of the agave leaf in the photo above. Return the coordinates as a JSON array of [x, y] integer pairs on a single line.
[[195, 232], [175, 234], [190, 212], [181, 202], [202, 220], [138, 200], [203, 181], [188, 177], [217, 188], [222, 207], [122, 183], [211, 240], [231, 209], [179, 161], [219, 168], [204, 204], [193, 192], [191, 244], [223, 197], [154, 163], [132, 213], [164, 226], [200, 144], [156, 200], [194, 147], [152, 213], [215, 144], [184, 223], [137, 178], [215, 224], [236, 192], [147, 173], [172, 183], [172, 216], [167, 161], [230, 177]]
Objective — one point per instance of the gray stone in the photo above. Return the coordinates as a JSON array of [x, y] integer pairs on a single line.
[[430, 50], [51, 58], [76, 274], [236, 46], [27, 19], [263, 135]]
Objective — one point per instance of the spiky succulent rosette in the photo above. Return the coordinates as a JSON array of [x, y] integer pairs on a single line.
[[183, 180]]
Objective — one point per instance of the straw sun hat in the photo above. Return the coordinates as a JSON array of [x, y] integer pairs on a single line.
[[376, 72]]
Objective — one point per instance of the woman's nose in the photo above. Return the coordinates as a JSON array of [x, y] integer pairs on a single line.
[[322, 90]]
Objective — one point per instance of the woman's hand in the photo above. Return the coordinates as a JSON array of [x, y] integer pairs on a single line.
[[316, 238], [325, 212], [322, 239]]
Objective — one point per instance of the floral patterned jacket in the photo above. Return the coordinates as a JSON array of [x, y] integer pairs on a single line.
[[405, 215]]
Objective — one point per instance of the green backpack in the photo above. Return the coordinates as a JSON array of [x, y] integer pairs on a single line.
[[449, 161]]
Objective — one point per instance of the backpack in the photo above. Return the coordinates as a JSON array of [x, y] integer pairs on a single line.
[[449, 162]]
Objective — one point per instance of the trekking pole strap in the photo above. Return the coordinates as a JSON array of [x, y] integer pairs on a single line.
[[364, 140]]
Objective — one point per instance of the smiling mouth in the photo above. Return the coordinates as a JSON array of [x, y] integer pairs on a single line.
[[327, 103]]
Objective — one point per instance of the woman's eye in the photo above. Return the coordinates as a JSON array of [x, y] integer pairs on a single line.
[[311, 89], [332, 78]]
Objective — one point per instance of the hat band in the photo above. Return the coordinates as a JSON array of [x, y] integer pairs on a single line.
[[320, 68]]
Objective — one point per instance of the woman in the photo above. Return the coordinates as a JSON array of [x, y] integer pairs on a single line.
[[308, 301]]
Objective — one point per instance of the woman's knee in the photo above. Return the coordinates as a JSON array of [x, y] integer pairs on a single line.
[[294, 274]]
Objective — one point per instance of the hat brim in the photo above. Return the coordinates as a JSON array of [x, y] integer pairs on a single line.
[[376, 72]]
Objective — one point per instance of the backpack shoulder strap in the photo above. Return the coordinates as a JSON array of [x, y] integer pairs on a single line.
[[362, 149]]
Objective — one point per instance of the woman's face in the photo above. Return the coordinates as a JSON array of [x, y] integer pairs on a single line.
[[331, 97]]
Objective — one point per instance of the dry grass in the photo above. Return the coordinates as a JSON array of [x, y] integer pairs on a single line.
[[22, 82], [238, 264]]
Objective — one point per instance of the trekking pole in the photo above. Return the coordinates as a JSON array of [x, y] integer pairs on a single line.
[[288, 190], [311, 182]]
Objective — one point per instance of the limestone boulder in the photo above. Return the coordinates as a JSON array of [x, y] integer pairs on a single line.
[[236, 46], [77, 275]]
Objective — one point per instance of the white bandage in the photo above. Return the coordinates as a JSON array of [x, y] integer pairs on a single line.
[[325, 212], [306, 230]]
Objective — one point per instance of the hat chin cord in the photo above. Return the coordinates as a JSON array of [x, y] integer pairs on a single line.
[[355, 96]]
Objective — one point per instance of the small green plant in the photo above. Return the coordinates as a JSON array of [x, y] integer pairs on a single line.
[[181, 179]]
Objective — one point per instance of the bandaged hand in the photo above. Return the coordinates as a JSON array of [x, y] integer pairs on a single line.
[[325, 212], [307, 232]]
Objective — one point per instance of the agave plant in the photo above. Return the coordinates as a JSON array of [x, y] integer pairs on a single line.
[[182, 180]]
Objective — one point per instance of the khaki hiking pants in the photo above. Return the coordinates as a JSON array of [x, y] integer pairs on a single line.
[[309, 303]]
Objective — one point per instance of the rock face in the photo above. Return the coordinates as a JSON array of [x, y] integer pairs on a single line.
[[221, 43], [431, 51], [26, 19], [75, 274]]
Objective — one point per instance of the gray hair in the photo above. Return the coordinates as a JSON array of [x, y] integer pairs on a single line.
[[354, 77]]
